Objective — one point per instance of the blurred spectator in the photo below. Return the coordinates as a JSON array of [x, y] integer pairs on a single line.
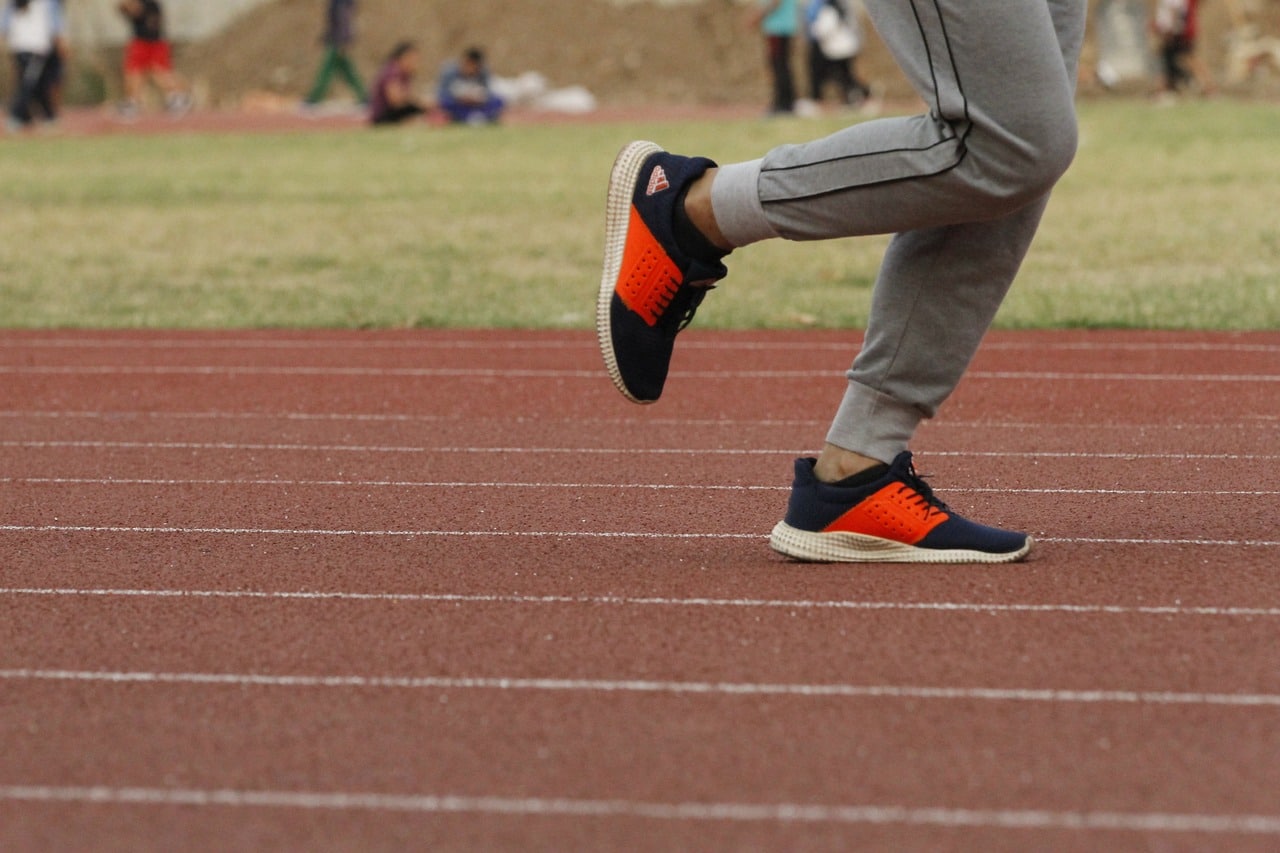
[[339, 34], [150, 55], [465, 92], [835, 39], [778, 21], [1177, 23], [393, 98], [34, 32]]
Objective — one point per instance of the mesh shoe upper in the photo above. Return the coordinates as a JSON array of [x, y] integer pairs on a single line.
[[657, 287], [898, 506]]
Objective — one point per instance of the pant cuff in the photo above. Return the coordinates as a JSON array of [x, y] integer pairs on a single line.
[[735, 199], [873, 424]]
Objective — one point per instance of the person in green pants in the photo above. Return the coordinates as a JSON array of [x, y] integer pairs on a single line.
[[339, 33]]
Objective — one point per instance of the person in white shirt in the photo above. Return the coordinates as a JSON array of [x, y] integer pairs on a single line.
[[34, 32]]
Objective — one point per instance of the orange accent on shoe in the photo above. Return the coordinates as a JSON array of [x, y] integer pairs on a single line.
[[896, 512], [648, 279]]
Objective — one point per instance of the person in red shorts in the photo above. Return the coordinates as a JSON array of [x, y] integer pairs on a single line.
[[149, 54]]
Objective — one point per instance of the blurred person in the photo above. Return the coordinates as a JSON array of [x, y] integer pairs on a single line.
[[465, 92], [150, 55], [835, 39], [962, 187], [339, 35], [1177, 25], [34, 31], [393, 98], [778, 21]]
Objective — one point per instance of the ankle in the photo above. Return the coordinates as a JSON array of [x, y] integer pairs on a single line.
[[691, 240], [701, 215], [836, 464]]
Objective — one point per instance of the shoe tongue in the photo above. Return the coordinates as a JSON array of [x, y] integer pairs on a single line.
[[864, 478], [901, 467]]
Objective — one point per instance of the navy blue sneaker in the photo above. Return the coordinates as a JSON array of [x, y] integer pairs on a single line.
[[650, 289], [895, 518]]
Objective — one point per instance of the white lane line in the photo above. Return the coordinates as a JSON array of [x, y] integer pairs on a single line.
[[552, 534], [714, 812], [657, 487], [398, 484], [125, 417], [703, 688], [633, 601], [318, 344], [1134, 492], [374, 534], [357, 448], [587, 345], [1249, 421], [562, 373], [599, 451]]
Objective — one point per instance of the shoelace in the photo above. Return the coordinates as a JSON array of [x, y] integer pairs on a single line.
[[678, 319], [924, 495]]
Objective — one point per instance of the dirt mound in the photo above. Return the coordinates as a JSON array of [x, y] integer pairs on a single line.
[[625, 53], [629, 54], [633, 53]]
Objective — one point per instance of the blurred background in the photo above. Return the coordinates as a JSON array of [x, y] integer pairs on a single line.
[[262, 53]]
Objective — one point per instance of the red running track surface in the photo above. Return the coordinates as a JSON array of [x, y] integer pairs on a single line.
[[448, 590]]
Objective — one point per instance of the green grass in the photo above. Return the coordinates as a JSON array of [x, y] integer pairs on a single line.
[[1166, 220]]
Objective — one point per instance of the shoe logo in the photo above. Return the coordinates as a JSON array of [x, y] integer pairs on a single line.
[[658, 182]]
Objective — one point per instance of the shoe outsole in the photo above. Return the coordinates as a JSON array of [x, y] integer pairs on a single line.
[[622, 184], [807, 546]]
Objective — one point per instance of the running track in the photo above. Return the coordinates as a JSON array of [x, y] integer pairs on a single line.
[[448, 590]]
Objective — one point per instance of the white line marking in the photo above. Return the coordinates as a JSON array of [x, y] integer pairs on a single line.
[[317, 344], [562, 373], [782, 813], [355, 448], [1253, 421], [458, 484], [1215, 543], [546, 534], [551, 534], [377, 534], [93, 481], [705, 688], [123, 416], [585, 344], [629, 601], [624, 451], [1056, 376], [1133, 492]]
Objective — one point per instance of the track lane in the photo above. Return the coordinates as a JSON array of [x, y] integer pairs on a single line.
[[1183, 421]]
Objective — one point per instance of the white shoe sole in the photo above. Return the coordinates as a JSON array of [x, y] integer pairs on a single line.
[[813, 547], [622, 183]]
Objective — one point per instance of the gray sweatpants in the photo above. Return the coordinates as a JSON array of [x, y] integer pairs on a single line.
[[962, 188]]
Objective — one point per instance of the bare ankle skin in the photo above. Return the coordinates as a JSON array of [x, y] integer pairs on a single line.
[[697, 203], [836, 463]]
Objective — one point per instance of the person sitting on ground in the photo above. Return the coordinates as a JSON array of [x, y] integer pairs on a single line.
[[466, 95], [393, 98], [150, 54]]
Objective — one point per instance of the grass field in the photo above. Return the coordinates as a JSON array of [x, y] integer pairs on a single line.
[[1166, 220]]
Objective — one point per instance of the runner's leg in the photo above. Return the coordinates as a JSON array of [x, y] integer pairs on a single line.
[[963, 186]]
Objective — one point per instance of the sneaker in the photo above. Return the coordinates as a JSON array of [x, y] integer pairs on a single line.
[[650, 288], [178, 104], [894, 518]]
